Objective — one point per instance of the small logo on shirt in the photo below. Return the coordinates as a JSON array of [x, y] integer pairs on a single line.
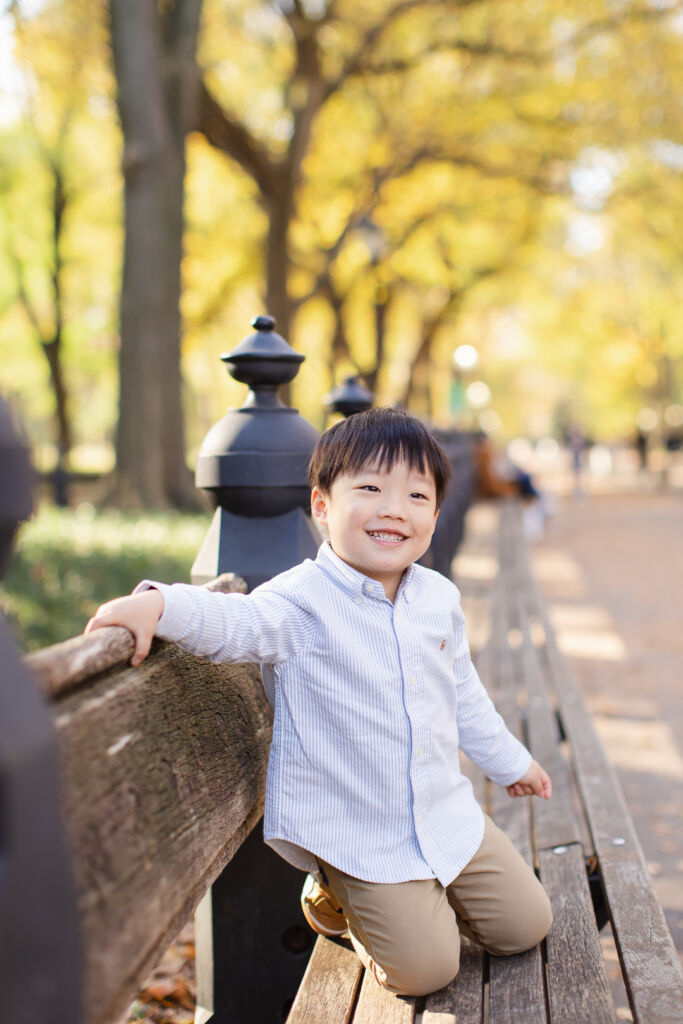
[[443, 645]]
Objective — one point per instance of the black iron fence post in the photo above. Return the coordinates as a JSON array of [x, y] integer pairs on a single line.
[[349, 397], [252, 942], [39, 946], [254, 462]]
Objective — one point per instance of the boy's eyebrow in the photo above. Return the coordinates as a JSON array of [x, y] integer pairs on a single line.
[[416, 475]]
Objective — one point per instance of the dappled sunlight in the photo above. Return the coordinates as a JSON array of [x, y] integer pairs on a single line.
[[623, 705], [553, 567], [640, 746], [603, 645], [468, 566], [578, 616], [586, 631]]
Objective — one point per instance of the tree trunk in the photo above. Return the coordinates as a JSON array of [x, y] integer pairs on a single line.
[[52, 350], [278, 301], [156, 76], [418, 381]]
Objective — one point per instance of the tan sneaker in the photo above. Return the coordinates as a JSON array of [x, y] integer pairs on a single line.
[[321, 909]]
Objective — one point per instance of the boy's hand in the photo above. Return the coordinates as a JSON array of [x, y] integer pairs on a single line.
[[139, 613], [535, 782]]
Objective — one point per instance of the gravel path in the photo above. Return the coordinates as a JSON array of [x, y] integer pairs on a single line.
[[611, 568]]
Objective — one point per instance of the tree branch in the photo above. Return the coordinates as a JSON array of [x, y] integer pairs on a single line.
[[360, 65], [356, 64], [232, 138]]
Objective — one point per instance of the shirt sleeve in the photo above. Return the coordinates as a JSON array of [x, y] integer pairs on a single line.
[[263, 626], [484, 736]]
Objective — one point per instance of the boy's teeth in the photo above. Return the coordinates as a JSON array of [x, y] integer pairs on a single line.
[[386, 536]]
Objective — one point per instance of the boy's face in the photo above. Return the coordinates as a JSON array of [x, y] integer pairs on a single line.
[[379, 520]]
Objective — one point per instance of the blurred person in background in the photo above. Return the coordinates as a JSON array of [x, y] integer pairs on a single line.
[[497, 476]]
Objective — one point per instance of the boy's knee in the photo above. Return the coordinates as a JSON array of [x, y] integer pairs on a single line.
[[419, 977], [529, 928]]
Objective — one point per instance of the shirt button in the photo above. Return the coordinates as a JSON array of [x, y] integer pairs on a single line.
[[413, 680], [419, 752], [359, 600], [418, 819]]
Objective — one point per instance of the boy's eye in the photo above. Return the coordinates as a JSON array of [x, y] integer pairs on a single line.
[[418, 494], [369, 487]]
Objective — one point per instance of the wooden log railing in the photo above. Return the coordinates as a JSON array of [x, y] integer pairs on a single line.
[[163, 777]]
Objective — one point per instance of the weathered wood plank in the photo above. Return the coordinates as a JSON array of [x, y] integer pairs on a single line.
[[577, 984], [554, 819], [516, 989], [163, 776], [63, 666], [516, 984], [376, 1005], [512, 815], [463, 1000], [327, 993], [650, 966]]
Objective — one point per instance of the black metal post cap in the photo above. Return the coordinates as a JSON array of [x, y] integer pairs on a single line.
[[263, 323], [350, 397], [263, 360]]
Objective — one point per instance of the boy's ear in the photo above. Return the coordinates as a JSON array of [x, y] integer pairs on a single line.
[[319, 505]]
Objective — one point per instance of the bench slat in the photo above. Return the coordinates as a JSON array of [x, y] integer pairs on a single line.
[[375, 1004], [516, 989], [163, 777], [516, 985], [513, 816], [651, 968], [578, 987], [327, 993], [564, 875], [554, 819]]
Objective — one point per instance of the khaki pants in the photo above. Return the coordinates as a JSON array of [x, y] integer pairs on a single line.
[[408, 933]]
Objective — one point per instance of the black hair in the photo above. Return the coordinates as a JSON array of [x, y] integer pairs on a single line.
[[378, 437]]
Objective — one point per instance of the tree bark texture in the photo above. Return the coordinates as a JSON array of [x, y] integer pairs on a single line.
[[154, 59]]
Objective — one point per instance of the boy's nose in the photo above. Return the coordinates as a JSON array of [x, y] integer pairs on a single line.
[[393, 510]]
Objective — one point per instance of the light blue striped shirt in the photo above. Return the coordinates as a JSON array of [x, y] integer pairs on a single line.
[[371, 701]]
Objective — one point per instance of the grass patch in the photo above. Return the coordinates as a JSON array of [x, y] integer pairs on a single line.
[[69, 561]]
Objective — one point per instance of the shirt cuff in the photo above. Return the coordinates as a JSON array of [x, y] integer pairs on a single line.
[[515, 766], [177, 608]]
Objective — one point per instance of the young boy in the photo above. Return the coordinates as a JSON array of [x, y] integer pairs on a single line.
[[365, 661]]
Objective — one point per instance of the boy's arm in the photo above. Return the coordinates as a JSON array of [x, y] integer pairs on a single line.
[[263, 626], [487, 741]]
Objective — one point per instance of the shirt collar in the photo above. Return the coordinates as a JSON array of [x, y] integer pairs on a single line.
[[356, 583]]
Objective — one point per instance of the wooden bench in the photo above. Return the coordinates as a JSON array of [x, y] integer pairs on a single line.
[[164, 775]]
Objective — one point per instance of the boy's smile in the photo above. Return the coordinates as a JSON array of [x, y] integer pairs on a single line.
[[379, 520]]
